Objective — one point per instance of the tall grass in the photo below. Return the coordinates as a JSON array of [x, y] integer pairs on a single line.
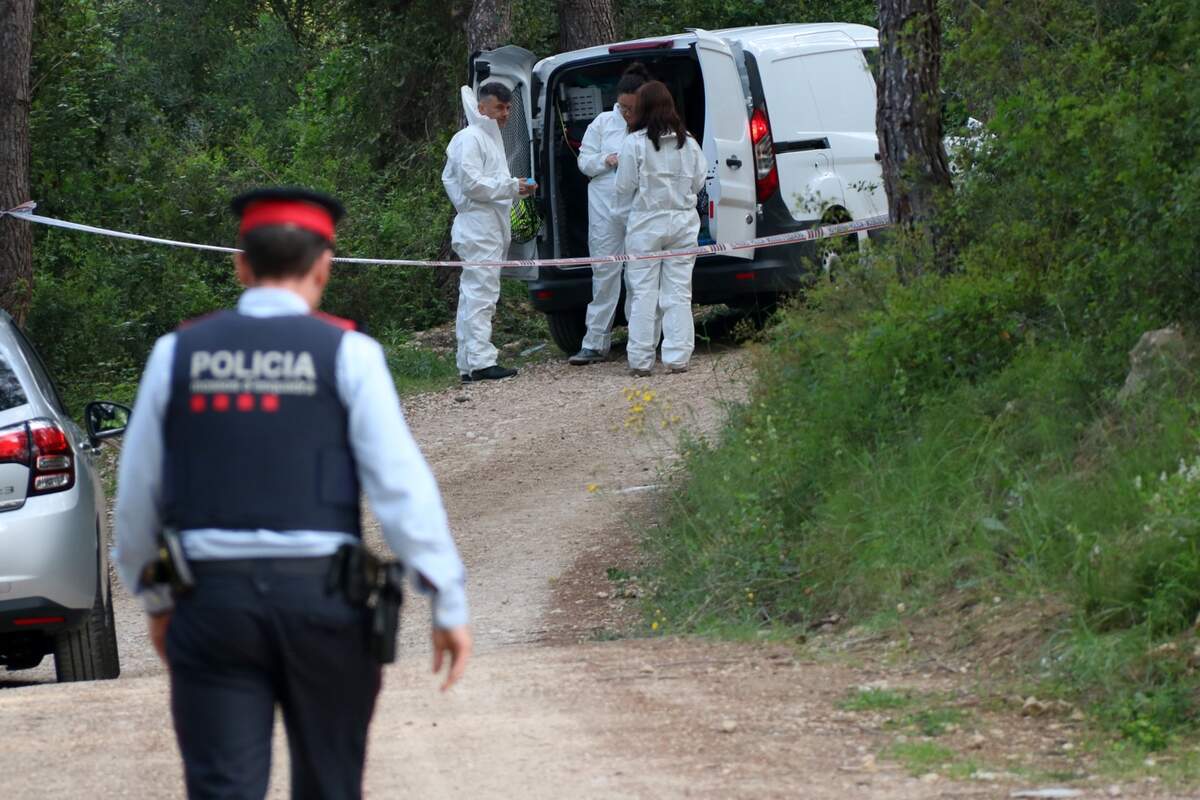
[[876, 464]]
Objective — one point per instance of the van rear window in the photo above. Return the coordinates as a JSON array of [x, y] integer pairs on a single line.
[[11, 393]]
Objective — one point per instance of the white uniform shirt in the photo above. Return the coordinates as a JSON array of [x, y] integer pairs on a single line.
[[397, 481]]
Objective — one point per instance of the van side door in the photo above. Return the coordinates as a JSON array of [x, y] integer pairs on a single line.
[[823, 119], [732, 190]]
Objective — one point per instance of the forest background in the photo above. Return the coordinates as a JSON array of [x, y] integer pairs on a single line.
[[953, 437], [149, 116]]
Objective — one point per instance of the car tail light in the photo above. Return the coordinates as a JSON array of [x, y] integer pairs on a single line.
[[43, 447], [53, 462], [766, 173], [14, 445]]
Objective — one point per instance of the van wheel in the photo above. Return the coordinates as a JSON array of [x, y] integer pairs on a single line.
[[567, 329], [89, 652], [756, 308], [830, 252]]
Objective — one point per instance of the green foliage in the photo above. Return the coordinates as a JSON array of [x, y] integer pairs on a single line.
[[875, 464], [1093, 126], [150, 117], [960, 434], [876, 700], [413, 368], [922, 757], [935, 721], [659, 17]]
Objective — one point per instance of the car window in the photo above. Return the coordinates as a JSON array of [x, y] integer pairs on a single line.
[[11, 393], [40, 376]]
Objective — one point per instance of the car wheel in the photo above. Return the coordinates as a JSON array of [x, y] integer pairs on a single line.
[[89, 652], [567, 329]]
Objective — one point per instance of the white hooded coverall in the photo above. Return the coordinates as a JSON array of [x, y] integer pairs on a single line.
[[660, 187], [606, 223], [482, 190]]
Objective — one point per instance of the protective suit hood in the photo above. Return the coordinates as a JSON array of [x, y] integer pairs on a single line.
[[474, 118]]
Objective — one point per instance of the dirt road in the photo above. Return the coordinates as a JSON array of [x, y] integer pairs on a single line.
[[545, 478]]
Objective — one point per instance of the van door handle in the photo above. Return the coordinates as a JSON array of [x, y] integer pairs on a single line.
[[733, 162]]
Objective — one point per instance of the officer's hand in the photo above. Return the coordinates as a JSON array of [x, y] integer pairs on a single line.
[[527, 188], [612, 159], [456, 642], [157, 623]]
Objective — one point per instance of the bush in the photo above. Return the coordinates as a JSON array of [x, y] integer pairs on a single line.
[[845, 486]]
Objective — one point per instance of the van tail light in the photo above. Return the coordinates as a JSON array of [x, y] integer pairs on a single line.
[[43, 447], [649, 44], [766, 173]]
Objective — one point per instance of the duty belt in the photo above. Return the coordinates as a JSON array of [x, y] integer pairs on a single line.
[[372, 583]]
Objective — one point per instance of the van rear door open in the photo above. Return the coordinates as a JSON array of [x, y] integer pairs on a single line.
[[732, 189], [513, 67]]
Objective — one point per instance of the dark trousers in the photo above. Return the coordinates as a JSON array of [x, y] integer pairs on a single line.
[[261, 633]]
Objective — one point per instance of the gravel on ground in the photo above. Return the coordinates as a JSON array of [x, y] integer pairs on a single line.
[[548, 479]]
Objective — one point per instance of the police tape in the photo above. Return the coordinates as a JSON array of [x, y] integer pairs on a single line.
[[25, 212]]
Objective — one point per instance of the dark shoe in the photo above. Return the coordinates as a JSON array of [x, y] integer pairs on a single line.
[[586, 356], [640, 373], [492, 373], [677, 370]]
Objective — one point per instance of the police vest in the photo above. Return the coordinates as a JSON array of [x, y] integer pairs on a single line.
[[256, 435]]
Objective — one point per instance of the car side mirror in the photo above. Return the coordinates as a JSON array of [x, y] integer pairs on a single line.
[[105, 420]]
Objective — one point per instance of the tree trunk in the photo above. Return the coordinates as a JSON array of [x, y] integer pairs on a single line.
[[489, 26], [909, 115], [16, 240], [585, 23]]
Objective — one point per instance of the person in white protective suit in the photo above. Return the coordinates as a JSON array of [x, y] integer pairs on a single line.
[[598, 158], [478, 182], [661, 172]]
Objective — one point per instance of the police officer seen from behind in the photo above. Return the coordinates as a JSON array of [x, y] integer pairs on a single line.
[[253, 432]]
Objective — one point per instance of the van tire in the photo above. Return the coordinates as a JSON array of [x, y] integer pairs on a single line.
[[830, 252], [567, 328], [89, 652]]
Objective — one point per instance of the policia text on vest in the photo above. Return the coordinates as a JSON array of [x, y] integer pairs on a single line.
[[259, 372]]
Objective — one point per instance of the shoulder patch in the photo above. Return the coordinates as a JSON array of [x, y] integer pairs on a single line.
[[337, 322]]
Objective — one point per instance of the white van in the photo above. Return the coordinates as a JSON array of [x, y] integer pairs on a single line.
[[786, 114]]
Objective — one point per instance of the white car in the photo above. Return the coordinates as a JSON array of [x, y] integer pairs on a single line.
[[786, 115], [55, 594]]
